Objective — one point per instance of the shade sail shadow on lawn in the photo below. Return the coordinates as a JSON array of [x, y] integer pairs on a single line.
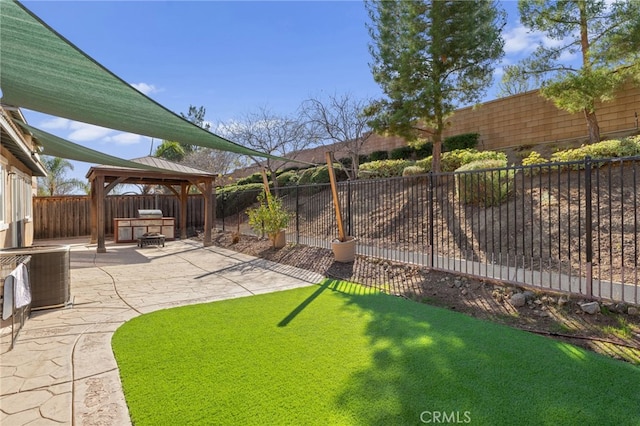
[[432, 363], [286, 320], [327, 284]]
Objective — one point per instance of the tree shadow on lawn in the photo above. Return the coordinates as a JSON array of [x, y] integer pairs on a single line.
[[431, 362]]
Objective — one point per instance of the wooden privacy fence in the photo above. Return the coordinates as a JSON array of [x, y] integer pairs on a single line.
[[70, 215]]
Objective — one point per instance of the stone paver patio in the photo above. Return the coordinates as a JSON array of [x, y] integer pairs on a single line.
[[62, 369]]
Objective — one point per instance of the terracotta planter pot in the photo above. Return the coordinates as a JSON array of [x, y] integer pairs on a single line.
[[345, 251], [279, 240]]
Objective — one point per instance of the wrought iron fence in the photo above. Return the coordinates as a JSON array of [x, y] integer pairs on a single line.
[[570, 227]]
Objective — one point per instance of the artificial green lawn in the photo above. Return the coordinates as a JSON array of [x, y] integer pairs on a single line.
[[339, 354]]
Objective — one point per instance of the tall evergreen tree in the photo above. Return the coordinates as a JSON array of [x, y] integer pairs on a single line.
[[196, 116], [177, 151], [430, 57], [607, 37]]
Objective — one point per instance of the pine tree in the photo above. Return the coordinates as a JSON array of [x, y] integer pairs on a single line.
[[430, 57], [607, 37]]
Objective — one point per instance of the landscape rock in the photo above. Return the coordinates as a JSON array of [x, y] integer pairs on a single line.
[[529, 295], [621, 308], [632, 310], [590, 308], [562, 301], [518, 300]]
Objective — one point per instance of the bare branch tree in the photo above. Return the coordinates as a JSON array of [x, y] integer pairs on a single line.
[[212, 160], [265, 131], [341, 120]]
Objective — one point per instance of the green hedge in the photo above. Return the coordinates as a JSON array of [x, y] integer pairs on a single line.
[[287, 178], [463, 141], [627, 147], [383, 169], [489, 188], [424, 150], [320, 174], [412, 171], [252, 178], [378, 155], [402, 153], [451, 161], [236, 198]]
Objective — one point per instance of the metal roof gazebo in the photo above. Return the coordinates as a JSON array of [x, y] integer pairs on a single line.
[[175, 177]]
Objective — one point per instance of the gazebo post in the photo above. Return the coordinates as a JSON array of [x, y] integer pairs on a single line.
[[100, 213], [94, 212], [184, 195]]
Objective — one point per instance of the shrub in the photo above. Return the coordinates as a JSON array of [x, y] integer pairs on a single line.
[[534, 158], [455, 159], [425, 164], [320, 174], [269, 217], [487, 188], [402, 153], [233, 199], [346, 162], [463, 141], [413, 171], [362, 158], [287, 178], [378, 155], [626, 147], [383, 168], [253, 178], [290, 169]]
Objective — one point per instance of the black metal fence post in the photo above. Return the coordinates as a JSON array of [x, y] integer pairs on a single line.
[[222, 212], [588, 225], [297, 214], [349, 222], [430, 201]]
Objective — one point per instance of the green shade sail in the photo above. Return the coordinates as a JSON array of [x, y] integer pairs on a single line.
[[42, 71], [58, 147]]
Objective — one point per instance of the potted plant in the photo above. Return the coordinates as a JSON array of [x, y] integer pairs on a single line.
[[343, 247], [270, 218]]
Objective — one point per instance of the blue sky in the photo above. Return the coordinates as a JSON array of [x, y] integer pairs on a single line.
[[230, 57]]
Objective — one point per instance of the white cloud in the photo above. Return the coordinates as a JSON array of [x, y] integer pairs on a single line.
[[56, 123], [145, 88], [519, 40], [124, 139], [520, 43], [77, 131], [82, 132]]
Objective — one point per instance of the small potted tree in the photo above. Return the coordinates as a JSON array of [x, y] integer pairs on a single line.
[[270, 218]]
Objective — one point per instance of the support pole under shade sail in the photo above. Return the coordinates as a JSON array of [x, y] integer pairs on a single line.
[[336, 200]]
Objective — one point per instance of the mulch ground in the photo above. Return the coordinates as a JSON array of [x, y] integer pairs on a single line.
[[612, 331]]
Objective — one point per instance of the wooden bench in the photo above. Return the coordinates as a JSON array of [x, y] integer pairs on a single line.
[[147, 240]]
